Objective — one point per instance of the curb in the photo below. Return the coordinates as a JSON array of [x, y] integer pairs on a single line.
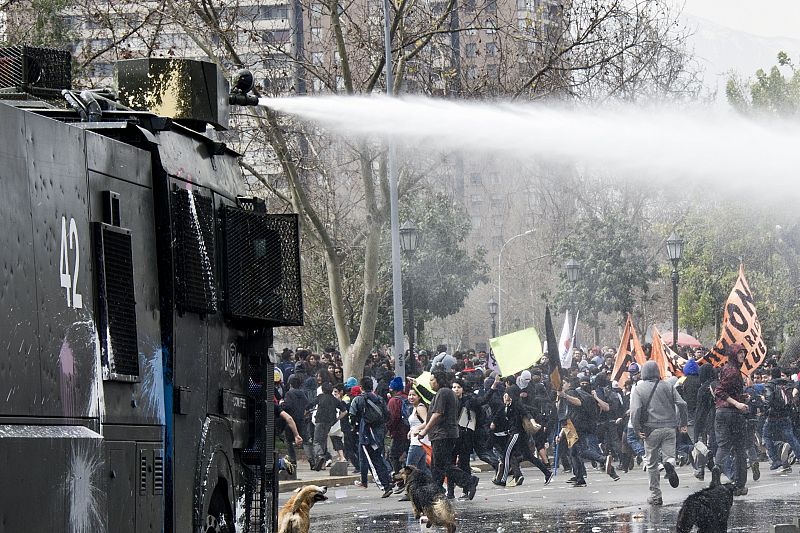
[[344, 481]]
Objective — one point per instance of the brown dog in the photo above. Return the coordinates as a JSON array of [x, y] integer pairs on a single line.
[[426, 498], [294, 515]]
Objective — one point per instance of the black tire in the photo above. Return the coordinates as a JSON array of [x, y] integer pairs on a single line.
[[219, 518]]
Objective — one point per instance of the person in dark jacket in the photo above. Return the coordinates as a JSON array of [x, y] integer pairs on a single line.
[[294, 404], [397, 425], [704, 437], [730, 422], [371, 438], [327, 409], [690, 387], [778, 403]]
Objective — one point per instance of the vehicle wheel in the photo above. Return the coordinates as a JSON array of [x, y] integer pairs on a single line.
[[219, 518]]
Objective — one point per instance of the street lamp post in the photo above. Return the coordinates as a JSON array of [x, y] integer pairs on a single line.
[[499, 277], [408, 242], [573, 269], [675, 251], [493, 308]]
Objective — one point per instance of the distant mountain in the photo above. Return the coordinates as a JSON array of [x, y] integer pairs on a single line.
[[720, 49]]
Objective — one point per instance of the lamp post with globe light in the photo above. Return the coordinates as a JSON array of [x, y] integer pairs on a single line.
[[408, 242], [675, 251]]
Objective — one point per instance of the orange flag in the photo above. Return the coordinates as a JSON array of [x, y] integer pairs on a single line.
[[740, 325], [630, 350], [667, 359]]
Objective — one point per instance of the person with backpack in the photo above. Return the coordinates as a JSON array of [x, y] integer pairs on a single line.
[[653, 411], [778, 425], [327, 413], [442, 430], [583, 408], [397, 427], [369, 414]]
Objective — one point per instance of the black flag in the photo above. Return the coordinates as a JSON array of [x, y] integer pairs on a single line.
[[553, 358]]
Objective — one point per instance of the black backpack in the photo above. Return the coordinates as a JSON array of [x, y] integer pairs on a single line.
[[375, 412], [781, 400]]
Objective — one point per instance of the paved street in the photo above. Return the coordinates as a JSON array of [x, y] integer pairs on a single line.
[[601, 506]]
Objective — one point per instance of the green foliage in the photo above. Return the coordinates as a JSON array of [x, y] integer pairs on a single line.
[[39, 23], [616, 269], [442, 272], [771, 94], [718, 239]]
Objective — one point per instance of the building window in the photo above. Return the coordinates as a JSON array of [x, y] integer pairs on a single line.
[[317, 58], [491, 27], [491, 6], [472, 50], [491, 49], [475, 178], [469, 5], [492, 71]]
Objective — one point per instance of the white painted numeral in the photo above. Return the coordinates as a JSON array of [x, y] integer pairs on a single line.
[[70, 241]]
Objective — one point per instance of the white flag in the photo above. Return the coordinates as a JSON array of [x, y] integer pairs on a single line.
[[565, 344]]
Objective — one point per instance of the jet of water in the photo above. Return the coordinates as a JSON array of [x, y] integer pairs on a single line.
[[676, 145]]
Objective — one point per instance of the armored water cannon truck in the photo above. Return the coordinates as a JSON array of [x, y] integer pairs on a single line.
[[138, 293]]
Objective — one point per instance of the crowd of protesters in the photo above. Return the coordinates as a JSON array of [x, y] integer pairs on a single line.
[[451, 409]]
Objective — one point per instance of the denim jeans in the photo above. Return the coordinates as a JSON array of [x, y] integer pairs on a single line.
[[634, 442], [583, 450], [416, 457], [782, 430], [729, 427]]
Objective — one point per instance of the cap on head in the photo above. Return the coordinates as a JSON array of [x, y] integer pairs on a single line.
[[396, 384], [633, 368]]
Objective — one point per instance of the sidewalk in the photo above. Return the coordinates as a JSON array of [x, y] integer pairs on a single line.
[[306, 476]]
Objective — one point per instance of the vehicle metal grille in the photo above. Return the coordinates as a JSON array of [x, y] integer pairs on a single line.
[[194, 252], [262, 262], [27, 68], [117, 317]]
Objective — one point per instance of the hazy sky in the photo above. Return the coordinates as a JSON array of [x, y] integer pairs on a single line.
[[771, 18]]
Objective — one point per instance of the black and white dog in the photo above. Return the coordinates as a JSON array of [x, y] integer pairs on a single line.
[[708, 509]]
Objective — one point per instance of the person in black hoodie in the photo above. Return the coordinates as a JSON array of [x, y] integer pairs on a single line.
[[778, 402], [704, 437], [508, 429], [294, 404], [325, 417]]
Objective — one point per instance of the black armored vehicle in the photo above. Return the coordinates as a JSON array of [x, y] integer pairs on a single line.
[[138, 293]]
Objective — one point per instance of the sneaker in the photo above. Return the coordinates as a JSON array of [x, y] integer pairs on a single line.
[[740, 491], [328, 463], [519, 480], [498, 482], [756, 470], [655, 500], [672, 475], [405, 498], [499, 470], [291, 468], [700, 474], [548, 478], [660, 467], [785, 469], [473, 487], [579, 483], [512, 482], [785, 449], [388, 492], [320, 464], [359, 484], [463, 498], [638, 459], [573, 479], [613, 474], [775, 466], [792, 458]]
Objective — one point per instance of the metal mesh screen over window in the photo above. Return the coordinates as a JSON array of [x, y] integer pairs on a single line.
[[117, 316], [262, 261], [195, 253], [29, 68]]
